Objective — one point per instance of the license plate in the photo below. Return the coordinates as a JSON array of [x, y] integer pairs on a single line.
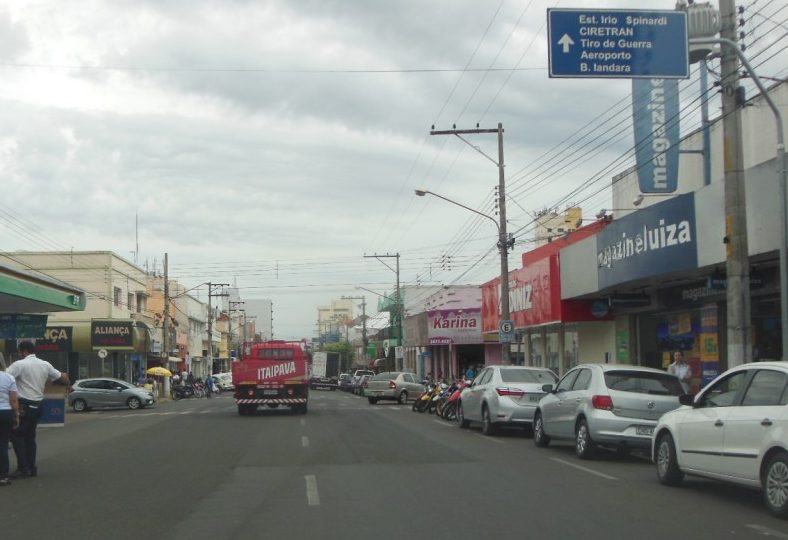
[[270, 392], [644, 430]]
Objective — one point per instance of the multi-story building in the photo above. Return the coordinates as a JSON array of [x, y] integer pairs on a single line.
[[259, 314], [552, 224], [332, 317], [114, 333]]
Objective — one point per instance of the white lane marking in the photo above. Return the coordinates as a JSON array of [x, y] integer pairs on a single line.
[[394, 408], [206, 412], [303, 421], [304, 441], [185, 412], [312, 496], [767, 531], [586, 469]]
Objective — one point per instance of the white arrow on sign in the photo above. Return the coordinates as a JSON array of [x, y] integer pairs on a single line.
[[566, 41]]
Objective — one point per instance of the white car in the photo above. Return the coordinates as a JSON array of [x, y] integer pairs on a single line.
[[503, 395], [734, 430]]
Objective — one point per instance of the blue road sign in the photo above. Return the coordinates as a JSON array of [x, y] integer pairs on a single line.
[[620, 44]]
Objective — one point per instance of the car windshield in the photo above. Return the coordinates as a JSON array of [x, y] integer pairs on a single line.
[[527, 376], [643, 382], [385, 376]]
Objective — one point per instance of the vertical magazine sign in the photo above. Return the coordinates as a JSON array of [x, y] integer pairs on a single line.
[[655, 112]]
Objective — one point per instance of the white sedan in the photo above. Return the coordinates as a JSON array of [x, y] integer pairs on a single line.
[[734, 430]]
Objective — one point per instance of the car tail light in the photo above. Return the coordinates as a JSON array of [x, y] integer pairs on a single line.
[[392, 384], [602, 402], [250, 392], [511, 392]]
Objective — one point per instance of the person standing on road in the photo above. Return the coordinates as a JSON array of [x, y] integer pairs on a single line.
[[9, 420], [31, 374], [681, 369]]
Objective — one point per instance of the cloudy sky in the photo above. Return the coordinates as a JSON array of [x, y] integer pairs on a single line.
[[272, 144]]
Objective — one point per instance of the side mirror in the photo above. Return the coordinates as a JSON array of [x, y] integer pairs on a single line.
[[547, 388], [687, 399]]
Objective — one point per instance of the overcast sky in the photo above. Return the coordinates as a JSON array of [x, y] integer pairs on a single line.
[[274, 144]]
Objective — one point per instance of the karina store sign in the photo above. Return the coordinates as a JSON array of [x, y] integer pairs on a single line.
[[653, 241], [456, 326]]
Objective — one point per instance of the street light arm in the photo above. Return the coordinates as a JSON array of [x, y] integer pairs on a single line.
[[422, 192]]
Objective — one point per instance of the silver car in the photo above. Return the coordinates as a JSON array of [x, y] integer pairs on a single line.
[[392, 385], [609, 405], [502, 395], [107, 392]]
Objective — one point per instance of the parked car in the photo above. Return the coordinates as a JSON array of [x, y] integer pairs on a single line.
[[355, 385], [392, 385], [502, 395], [224, 381], [360, 387], [345, 381], [616, 406], [734, 430], [107, 392]]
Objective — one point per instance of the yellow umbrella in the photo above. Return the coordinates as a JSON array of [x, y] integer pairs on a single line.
[[159, 371]]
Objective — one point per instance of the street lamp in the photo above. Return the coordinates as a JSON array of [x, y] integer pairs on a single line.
[[504, 244], [637, 201]]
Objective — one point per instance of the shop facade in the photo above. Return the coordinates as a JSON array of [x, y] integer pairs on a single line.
[[661, 271], [549, 329]]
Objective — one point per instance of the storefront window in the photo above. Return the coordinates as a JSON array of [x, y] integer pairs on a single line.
[[536, 349], [570, 345], [553, 352]]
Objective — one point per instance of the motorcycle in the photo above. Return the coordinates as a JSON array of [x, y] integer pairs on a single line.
[[423, 400], [183, 391], [449, 409]]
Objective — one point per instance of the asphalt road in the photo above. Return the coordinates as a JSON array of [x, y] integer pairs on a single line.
[[195, 469]]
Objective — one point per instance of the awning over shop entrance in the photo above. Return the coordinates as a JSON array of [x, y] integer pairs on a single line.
[[27, 292]]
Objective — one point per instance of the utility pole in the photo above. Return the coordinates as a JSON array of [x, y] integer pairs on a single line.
[[211, 294], [165, 326], [737, 266], [504, 242], [398, 307]]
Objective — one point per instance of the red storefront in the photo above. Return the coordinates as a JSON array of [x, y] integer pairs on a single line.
[[547, 324]]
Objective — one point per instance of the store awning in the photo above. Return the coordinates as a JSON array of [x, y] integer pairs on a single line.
[[27, 292]]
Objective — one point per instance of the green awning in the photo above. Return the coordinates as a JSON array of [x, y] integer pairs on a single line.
[[25, 292]]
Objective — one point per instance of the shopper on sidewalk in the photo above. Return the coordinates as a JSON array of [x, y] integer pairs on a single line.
[[9, 419]]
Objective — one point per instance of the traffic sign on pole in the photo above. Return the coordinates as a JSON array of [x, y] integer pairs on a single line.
[[506, 331], [623, 44]]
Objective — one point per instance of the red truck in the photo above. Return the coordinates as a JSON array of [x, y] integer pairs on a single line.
[[273, 373]]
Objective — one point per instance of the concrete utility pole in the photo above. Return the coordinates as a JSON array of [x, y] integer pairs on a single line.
[[504, 242], [737, 266], [165, 325], [398, 307], [211, 294]]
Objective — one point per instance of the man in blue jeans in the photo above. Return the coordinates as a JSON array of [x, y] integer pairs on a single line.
[[31, 374]]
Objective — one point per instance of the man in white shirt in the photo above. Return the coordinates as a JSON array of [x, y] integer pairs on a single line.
[[31, 374], [682, 370]]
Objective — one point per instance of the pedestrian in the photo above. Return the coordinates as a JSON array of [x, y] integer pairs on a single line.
[[208, 386], [189, 377], [470, 373], [175, 379], [31, 374], [681, 369], [9, 420]]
